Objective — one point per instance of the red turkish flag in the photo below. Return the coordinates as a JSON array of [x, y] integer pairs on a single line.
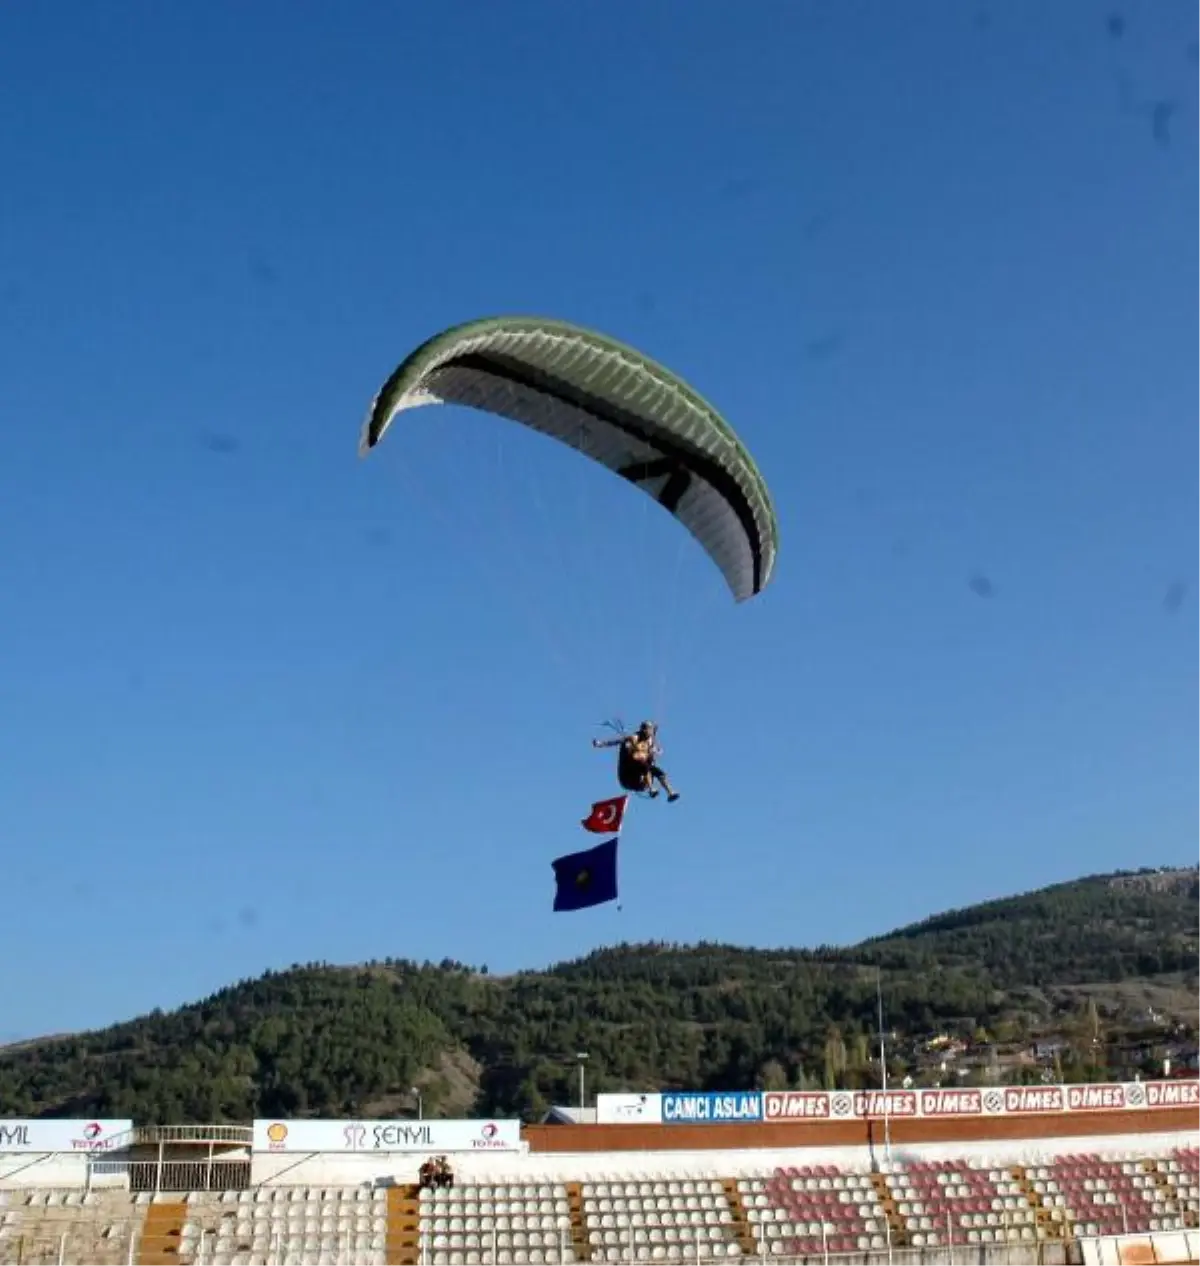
[[606, 816]]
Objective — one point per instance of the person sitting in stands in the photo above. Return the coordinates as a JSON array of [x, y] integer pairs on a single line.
[[427, 1174], [445, 1178]]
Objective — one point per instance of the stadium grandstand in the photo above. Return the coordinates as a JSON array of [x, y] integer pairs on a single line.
[[1091, 1174]]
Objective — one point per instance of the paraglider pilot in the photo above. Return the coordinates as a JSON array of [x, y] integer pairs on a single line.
[[636, 767]]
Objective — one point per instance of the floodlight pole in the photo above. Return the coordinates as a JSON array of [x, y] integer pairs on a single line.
[[581, 1056], [887, 1120]]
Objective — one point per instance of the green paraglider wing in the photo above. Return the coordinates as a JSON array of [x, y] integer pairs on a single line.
[[612, 404]]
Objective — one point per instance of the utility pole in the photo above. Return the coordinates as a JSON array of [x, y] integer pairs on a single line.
[[581, 1057], [887, 1120]]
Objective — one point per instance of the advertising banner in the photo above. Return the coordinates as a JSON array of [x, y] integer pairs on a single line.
[[972, 1101], [710, 1108], [387, 1136], [628, 1109], [18, 1135], [1164, 1094]]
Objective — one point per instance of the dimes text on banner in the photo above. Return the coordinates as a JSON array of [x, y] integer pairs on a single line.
[[969, 1101]]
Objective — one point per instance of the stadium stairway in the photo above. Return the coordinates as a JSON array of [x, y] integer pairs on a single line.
[[161, 1232], [1162, 1183], [403, 1242], [1050, 1226], [741, 1223], [1168, 1192], [579, 1228], [897, 1227]]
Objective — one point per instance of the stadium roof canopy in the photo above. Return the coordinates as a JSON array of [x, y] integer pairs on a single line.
[[559, 1115]]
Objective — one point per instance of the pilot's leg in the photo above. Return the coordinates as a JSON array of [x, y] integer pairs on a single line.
[[661, 776]]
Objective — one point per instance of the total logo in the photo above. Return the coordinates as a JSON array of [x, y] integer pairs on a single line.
[[489, 1138], [93, 1139]]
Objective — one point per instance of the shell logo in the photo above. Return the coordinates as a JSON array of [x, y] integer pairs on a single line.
[[277, 1132]]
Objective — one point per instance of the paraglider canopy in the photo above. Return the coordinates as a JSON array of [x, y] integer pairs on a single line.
[[614, 405]]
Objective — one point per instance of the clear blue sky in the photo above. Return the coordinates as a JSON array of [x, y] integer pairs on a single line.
[[263, 702]]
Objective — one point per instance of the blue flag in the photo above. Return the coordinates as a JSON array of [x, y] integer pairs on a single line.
[[586, 879]]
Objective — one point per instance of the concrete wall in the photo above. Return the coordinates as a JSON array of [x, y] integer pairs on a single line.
[[1141, 1250], [965, 1131], [59, 1170], [1048, 1253], [579, 1152], [323, 1169]]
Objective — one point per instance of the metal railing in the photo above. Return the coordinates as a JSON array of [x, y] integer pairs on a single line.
[[213, 1173], [231, 1135], [81, 1247]]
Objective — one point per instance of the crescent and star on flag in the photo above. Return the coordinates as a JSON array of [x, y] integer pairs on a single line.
[[606, 816], [589, 878]]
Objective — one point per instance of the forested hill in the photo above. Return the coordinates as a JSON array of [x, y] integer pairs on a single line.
[[1105, 966]]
